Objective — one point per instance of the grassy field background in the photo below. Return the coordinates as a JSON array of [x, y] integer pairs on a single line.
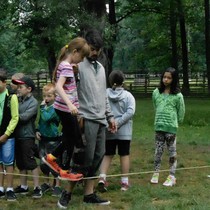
[[192, 190]]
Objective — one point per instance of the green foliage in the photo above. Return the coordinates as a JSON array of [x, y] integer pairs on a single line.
[[32, 33], [144, 40]]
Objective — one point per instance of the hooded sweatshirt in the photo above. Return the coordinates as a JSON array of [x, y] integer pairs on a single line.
[[123, 107]]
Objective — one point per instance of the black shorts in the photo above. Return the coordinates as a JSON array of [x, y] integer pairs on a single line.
[[24, 154], [123, 147]]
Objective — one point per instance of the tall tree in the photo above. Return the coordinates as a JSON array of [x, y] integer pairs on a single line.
[[185, 87], [45, 25], [173, 29], [112, 32], [98, 9], [207, 36]]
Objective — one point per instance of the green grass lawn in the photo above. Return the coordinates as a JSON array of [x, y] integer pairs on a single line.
[[192, 190]]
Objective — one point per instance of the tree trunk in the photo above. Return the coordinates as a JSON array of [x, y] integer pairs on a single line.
[[99, 8], [173, 23], [112, 21], [50, 54], [185, 87], [207, 36], [51, 58], [95, 6]]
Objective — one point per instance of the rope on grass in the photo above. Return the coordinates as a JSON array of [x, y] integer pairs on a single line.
[[112, 175]]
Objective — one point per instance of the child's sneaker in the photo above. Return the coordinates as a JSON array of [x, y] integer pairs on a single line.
[[155, 178], [2, 194], [124, 186], [50, 160], [102, 185], [20, 190], [170, 181], [56, 191], [37, 193], [94, 199], [70, 176], [10, 196], [64, 200], [45, 187]]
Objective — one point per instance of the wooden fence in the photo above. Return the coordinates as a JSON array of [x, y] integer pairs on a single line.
[[40, 79], [144, 84], [138, 84]]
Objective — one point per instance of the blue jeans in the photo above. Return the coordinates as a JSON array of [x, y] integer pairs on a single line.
[[7, 151]]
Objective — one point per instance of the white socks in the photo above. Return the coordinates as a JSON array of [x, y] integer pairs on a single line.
[[25, 187], [9, 189], [103, 176], [2, 189], [124, 180]]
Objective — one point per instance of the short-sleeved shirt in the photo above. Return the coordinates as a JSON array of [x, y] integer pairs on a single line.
[[65, 69]]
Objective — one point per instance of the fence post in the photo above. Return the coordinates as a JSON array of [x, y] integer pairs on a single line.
[[131, 87], [38, 82]]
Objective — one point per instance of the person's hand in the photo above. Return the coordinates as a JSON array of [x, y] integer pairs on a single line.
[[75, 68], [38, 135], [3, 138], [42, 105], [73, 109], [43, 102], [112, 126]]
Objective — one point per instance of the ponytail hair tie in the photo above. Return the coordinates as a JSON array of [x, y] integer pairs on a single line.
[[66, 46], [114, 86]]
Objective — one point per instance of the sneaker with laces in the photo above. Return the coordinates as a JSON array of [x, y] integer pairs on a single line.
[[102, 185], [20, 190], [170, 181], [37, 193], [56, 191], [70, 176], [94, 199], [2, 194], [155, 178], [50, 160], [124, 186], [45, 187], [64, 200], [10, 196]]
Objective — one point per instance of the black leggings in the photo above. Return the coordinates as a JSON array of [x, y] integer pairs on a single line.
[[70, 137]]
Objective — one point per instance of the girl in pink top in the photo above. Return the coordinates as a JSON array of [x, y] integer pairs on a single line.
[[66, 106]]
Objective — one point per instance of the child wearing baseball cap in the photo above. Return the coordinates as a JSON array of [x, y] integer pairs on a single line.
[[25, 136]]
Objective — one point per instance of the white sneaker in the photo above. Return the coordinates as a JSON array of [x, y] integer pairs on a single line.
[[124, 186], [102, 185], [155, 178], [170, 181]]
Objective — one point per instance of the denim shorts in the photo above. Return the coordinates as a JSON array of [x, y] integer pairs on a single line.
[[7, 152]]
